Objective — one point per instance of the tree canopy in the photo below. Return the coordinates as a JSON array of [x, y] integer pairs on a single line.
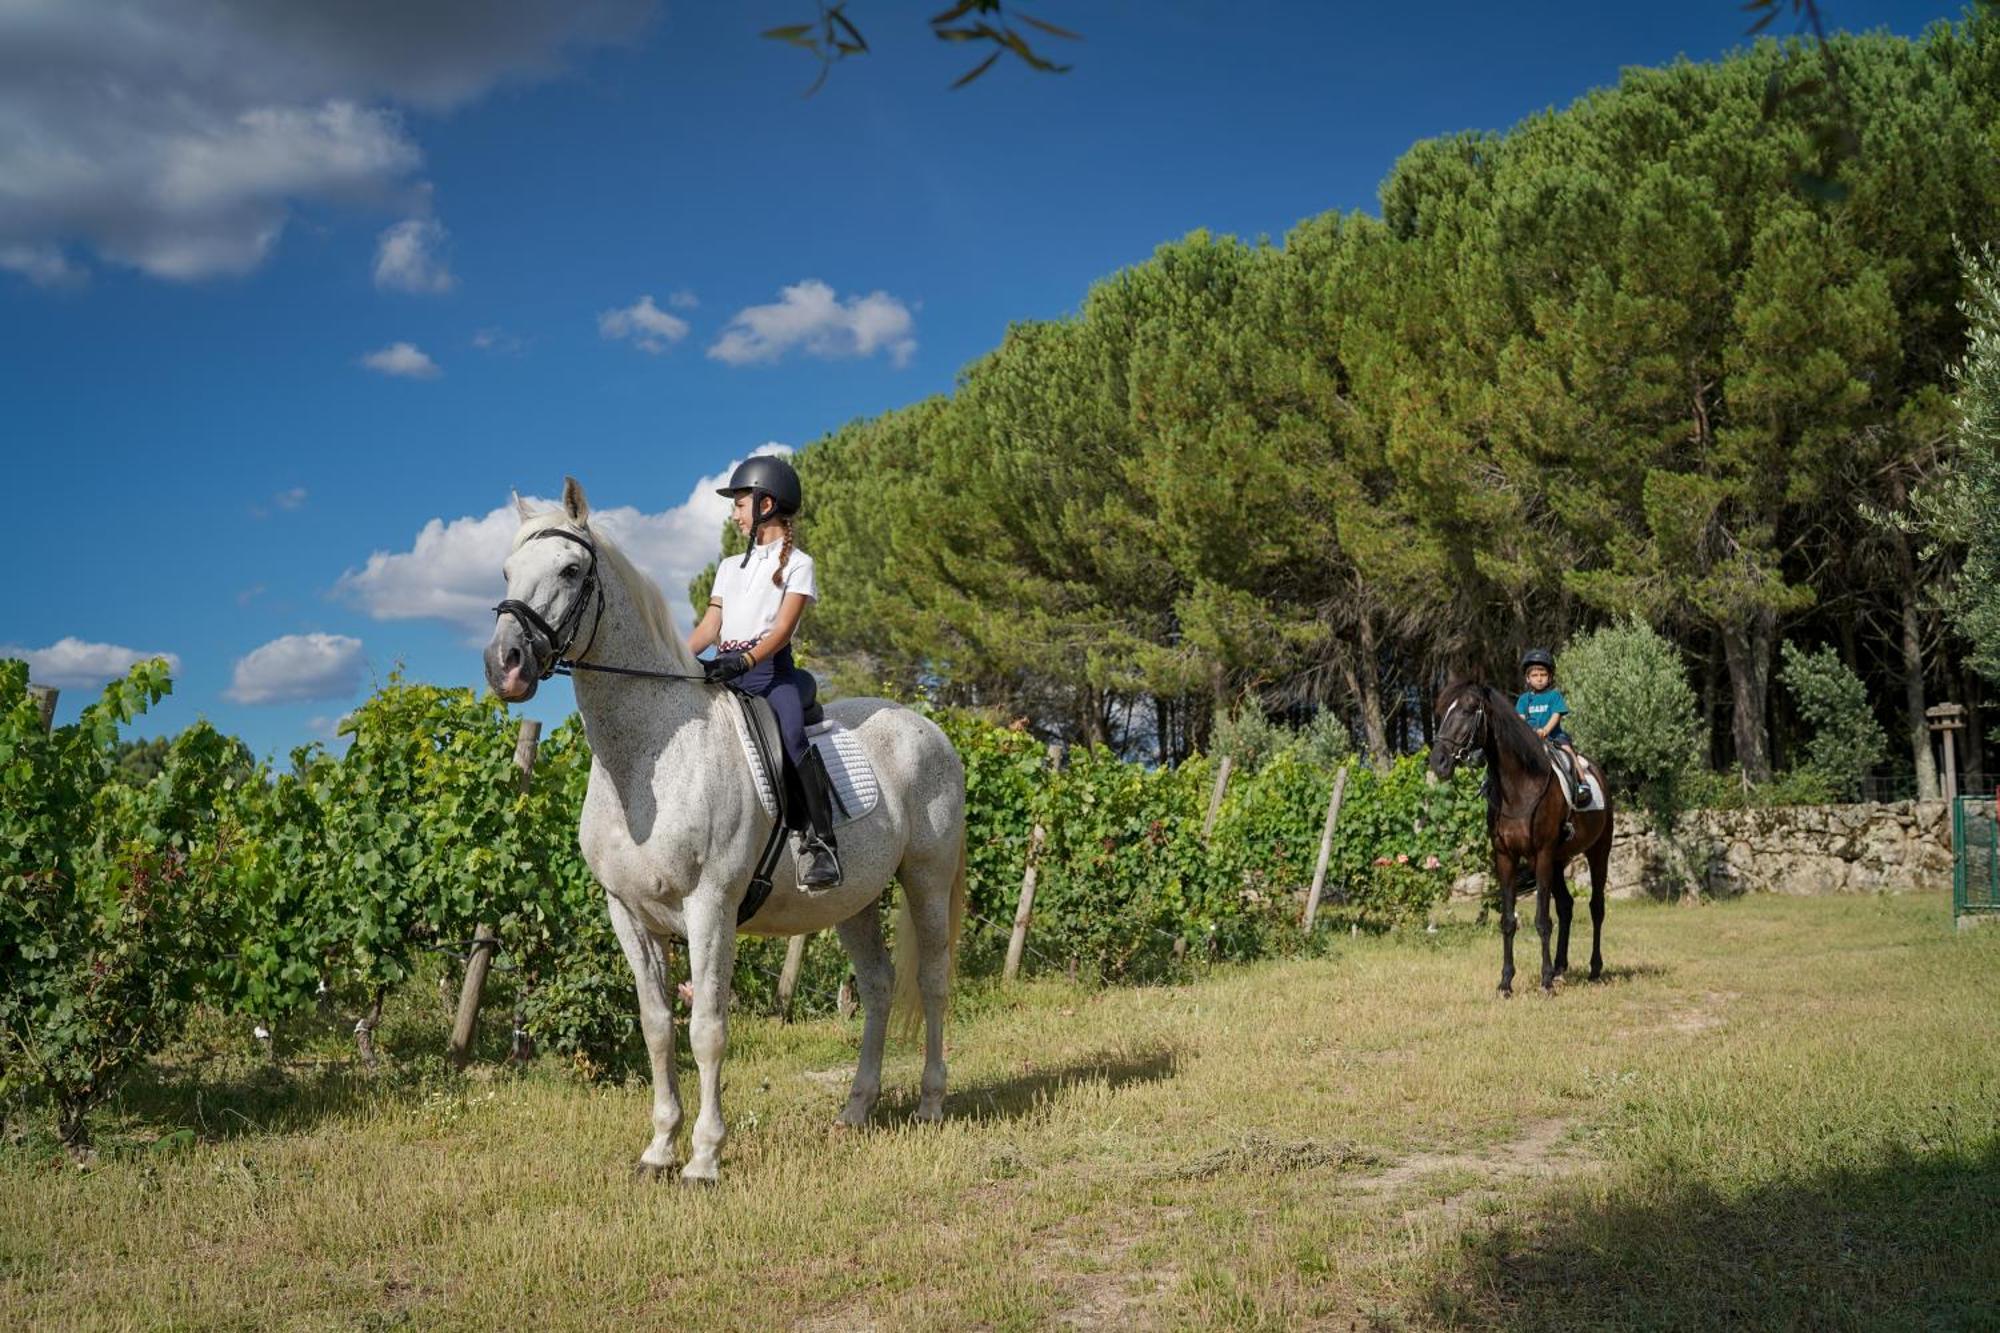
[[1619, 360]]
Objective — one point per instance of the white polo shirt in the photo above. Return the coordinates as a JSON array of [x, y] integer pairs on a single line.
[[750, 601]]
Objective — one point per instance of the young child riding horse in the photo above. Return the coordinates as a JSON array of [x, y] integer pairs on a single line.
[[753, 612], [1544, 708]]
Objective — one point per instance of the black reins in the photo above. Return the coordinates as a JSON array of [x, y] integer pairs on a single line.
[[559, 638]]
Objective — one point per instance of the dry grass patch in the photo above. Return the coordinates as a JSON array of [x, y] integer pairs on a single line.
[[1773, 1112]]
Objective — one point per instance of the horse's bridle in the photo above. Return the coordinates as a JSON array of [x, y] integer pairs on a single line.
[[561, 636], [1462, 751]]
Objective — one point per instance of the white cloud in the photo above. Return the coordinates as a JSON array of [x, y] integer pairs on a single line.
[[683, 300], [808, 316], [498, 341], [287, 500], [452, 570], [403, 359], [649, 327], [299, 667], [407, 258], [177, 136], [72, 664], [43, 265]]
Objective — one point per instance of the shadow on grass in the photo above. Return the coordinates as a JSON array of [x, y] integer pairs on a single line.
[[1014, 1098], [1617, 972], [1909, 1244], [212, 1088]]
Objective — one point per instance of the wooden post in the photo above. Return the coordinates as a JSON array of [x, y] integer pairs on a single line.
[[1946, 720], [485, 940], [1325, 846], [1018, 941], [364, 1030], [1215, 797], [788, 975], [45, 699]]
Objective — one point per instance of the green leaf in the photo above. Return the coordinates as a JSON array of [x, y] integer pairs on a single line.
[[1049, 28], [974, 73]]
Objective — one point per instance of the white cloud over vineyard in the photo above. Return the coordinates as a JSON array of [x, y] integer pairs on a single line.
[[74, 664], [298, 667]]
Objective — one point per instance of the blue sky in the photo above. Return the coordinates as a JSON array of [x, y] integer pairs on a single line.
[[284, 320]]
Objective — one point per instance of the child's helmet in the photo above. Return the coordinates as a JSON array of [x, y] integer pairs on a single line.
[[1539, 657], [766, 474], [771, 475]]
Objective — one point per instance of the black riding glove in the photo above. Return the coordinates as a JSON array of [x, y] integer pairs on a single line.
[[724, 667]]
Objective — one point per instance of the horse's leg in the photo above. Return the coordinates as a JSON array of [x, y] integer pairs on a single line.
[[874, 978], [1565, 903], [927, 881], [711, 927], [1599, 857], [1503, 875], [1546, 872], [656, 1017]]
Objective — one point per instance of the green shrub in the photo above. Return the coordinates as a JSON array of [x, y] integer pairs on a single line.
[[1633, 712], [1249, 738], [1846, 741]]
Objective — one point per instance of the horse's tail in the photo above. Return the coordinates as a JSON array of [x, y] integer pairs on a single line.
[[906, 1008]]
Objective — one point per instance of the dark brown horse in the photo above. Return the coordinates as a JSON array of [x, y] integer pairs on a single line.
[[1525, 818]]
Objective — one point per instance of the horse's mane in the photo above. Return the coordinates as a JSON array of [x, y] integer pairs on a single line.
[[647, 599], [1509, 732]]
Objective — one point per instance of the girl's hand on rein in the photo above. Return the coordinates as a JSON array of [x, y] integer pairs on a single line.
[[726, 667]]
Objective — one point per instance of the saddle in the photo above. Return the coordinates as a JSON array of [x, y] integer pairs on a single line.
[[779, 790], [1567, 778]]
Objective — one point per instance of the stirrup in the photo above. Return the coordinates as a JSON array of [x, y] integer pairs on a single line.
[[817, 860]]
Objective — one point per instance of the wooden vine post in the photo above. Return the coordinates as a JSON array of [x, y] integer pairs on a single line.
[[1019, 940], [45, 700], [1325, 846], [485, 940], [788, 976], [1215, 797]]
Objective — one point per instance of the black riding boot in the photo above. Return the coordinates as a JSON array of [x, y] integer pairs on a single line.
[[819, 860], [1577, 784]]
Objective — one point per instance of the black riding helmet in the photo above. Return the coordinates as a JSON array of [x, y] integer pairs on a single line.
[[766, 475], [1539, 657]]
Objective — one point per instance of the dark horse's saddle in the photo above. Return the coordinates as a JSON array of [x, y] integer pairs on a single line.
[[768, 745]]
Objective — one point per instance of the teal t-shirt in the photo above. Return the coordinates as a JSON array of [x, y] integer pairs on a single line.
[[1537, 705]]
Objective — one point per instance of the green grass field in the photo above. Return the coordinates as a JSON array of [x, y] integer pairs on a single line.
[[1774, 1112]]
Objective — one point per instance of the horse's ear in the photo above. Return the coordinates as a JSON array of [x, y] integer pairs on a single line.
[[574, 505], [521, 507]]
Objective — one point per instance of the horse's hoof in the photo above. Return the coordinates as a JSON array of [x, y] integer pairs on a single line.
[[697, 1182], [650, 1170], [929, 1115], [1506, 992]]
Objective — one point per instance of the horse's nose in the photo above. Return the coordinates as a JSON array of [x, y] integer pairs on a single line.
[[510, 659]]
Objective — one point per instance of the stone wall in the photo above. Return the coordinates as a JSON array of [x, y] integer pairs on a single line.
[[1783, 849]]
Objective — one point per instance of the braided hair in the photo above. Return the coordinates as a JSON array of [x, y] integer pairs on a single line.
[[785, 554]]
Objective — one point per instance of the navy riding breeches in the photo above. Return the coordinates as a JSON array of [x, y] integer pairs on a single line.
[[782, 685]]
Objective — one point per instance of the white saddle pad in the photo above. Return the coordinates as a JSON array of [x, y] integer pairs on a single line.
[[1590, 780], [854, 786]]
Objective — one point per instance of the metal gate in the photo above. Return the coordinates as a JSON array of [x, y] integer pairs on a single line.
[[1975, 840]]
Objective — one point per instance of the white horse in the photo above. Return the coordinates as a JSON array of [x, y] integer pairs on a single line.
[[672, 826]]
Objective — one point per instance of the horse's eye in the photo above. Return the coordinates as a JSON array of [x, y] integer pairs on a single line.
[[569, 571]]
